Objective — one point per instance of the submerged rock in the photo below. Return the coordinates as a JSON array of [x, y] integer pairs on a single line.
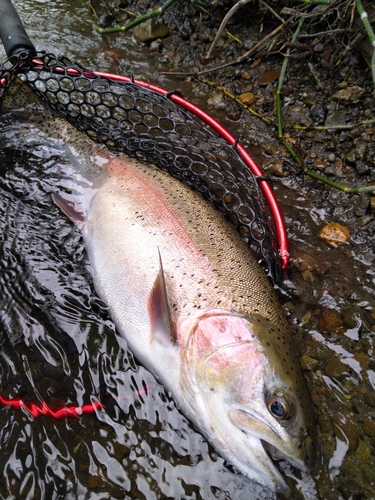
[[334, 234]]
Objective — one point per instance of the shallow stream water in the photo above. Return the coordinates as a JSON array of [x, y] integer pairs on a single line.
[[59, 345]]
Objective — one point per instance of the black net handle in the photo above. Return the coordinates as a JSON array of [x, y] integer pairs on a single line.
[[12, 32]]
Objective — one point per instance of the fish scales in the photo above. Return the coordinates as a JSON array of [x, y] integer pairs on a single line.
[[190, 299]]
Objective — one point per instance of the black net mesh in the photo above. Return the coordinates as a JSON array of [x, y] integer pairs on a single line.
[[130, 118]]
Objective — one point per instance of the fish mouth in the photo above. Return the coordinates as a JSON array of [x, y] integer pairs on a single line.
[[266, 452]]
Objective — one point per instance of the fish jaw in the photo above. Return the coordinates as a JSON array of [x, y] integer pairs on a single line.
[[226, 370]]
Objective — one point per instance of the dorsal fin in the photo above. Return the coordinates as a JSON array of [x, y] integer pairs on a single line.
[[158, 310]]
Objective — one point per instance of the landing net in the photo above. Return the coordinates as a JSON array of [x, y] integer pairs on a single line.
[[160, 127]]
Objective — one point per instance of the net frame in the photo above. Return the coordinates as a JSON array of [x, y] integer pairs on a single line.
[[261, 226]]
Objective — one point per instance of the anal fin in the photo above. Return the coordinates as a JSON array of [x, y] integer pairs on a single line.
[[70, 210]]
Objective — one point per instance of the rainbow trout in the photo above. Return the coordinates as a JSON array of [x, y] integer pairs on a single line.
[[191, 301]]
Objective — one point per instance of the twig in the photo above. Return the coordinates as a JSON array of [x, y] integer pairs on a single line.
[[370, 33], [224, 22], [272, 11]]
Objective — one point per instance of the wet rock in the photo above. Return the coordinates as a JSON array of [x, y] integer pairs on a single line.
[[320, 164], [350, 157], [278, 168], [364, 220], [363, 452], [363, 359], [308, 363], [204, 60], [330, 321], [156, 45], [268, 76], [186, 30], [330, 171], [316, 350], [361, 205], [306, 262], [325, 425], [248, 98], [150, 30], [348, 489], [215, 99], [361, 167], [234, 115], [370, 398], [308, 276], [335, 369], [335, 117], [346, 431], [298, 115], [360, 150], [369, 428], [368, 473], [350, 95], [351, 316], [334, 234], [318, 113], [93, 482]]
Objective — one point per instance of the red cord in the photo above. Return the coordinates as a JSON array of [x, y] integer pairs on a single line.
[[45, 410]]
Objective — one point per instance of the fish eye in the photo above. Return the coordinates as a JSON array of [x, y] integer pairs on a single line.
[[279, 408]]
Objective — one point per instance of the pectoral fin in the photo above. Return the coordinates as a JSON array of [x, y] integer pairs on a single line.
[[70, 210], [159, 312]]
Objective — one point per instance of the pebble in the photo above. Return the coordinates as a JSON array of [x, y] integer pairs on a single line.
[[276, 168], [346, 431], [298, 115], [350, 95], [308, 363], [334, 234], [363, 359], [234, 115], [335, 369], [331, 157], [361, 205], [318, 113], [360, 150], [330, 321], [305, 261], [316, 350], [364, 220], [369, 428], [335, 117], [248, 98], [372, 204], [361, 167], [268, 76], [156, 45], [215, 99], [325, 424], [93, 482], [150, 30], [308, 276], [347, 488], [363, 452]]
